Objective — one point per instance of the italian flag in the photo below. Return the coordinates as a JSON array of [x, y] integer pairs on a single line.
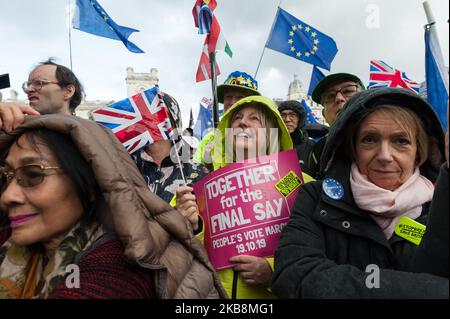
[[215, 41]]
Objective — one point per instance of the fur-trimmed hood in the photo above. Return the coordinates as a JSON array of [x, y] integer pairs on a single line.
[[155, 235]]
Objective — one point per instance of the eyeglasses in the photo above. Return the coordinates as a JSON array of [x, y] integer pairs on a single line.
[[26, 176], [292, 116], [37, 84], [346, 91]]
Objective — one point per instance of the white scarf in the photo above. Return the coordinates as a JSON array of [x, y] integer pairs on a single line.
[[387, 207]]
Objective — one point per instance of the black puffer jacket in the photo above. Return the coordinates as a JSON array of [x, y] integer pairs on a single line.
[[327, 245]]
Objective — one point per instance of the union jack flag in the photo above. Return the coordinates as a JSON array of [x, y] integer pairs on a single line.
[[137, 121], [208, 104], [382, 75]]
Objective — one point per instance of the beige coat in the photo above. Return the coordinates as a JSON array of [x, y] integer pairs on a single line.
[[155, 235]]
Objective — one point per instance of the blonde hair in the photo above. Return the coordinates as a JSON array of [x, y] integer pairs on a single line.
[[268, 121]]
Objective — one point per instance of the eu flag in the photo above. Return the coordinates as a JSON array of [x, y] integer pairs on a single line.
[[316, 77], [310, 118], [91, 18], [301, 41], [204, 122]]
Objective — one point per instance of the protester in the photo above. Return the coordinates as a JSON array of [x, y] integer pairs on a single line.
[[161, 167], [381, 159], [237, 86], [333, 91], [51, 89], [251, 276], [77, 205], [432, 253], [294, 116]]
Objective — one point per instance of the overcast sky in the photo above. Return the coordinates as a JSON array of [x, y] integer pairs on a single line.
[[31, 31]]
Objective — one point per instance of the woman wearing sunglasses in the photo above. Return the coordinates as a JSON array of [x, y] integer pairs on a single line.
[[79, 221]]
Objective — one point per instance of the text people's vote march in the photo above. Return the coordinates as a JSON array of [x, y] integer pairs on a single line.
[[245, 206]]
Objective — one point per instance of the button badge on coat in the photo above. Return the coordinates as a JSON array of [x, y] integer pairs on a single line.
[[332, 188]]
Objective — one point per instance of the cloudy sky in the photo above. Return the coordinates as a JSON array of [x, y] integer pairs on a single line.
[[31, 31]]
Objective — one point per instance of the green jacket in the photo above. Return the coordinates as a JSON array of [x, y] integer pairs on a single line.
[[242, 290], [200, 152]]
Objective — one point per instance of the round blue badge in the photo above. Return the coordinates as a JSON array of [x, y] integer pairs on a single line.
[[333, 189]]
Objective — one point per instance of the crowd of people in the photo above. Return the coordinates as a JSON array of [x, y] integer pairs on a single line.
[[131, 226]]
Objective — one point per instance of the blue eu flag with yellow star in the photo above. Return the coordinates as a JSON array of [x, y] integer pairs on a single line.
[[301, 41], [90, 17], [204, 122]]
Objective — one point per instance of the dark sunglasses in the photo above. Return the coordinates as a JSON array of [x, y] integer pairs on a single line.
[[26, 176]]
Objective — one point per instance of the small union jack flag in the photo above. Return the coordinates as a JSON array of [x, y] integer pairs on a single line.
[[137, 121], [382, 75]]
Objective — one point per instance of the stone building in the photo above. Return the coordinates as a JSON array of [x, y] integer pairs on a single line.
[[296, 91], [138, 82]]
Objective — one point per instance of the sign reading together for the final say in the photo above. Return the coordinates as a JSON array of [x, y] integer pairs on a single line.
[[245, 206]]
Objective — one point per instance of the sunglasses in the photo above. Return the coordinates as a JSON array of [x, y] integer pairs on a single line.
[[26, 176]]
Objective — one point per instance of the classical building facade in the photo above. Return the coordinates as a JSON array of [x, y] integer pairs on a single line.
[[296, 91], [135, 83], [138, 82]]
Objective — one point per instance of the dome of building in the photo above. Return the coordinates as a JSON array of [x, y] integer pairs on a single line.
[[296, 90]]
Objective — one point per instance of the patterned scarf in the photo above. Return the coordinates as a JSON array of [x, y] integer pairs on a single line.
[[387, 207], [23, 272]]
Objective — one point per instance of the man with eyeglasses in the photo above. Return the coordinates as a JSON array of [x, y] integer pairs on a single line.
[[51, 89], [294, 116], [333, 91]]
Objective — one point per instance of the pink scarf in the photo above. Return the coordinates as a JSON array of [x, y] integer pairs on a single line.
[[387, 207]]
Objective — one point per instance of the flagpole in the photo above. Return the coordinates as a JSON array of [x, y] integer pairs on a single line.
[[428, 13], [260, 59], [179, 162], [265, 45], [70, 34], [215, 106]]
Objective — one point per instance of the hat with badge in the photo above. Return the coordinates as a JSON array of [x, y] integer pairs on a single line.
[[238, 80]]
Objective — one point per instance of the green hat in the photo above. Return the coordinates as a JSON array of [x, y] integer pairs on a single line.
[[332, 79], [238, 80]]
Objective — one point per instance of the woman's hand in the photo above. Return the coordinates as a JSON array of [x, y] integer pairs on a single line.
[[254, 270], [187, 205]]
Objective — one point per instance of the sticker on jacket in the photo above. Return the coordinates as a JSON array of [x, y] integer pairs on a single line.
[[410, 230], [288, 184]]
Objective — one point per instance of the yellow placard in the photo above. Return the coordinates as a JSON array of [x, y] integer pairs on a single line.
[[288, 184], [410, 230]]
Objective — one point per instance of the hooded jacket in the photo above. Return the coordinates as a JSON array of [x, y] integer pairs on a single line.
[[219, 139], [154, 235], [331, 248], [302, 143], [233, 284]]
